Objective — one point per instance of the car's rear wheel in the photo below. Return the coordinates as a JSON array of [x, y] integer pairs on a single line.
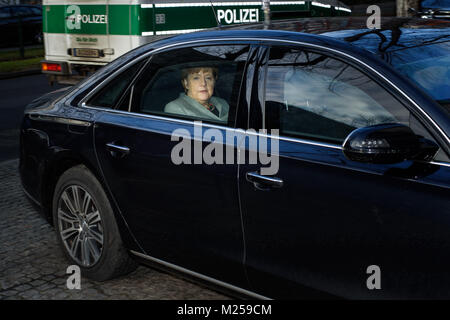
[[86, 226]]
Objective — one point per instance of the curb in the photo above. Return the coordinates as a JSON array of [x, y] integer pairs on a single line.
[[10, 75]]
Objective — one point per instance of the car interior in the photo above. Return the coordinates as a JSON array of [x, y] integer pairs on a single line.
[[166, 86]]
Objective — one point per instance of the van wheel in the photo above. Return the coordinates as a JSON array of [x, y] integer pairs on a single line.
[[86, 226]]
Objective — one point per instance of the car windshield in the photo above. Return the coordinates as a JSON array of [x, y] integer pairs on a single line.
[[428, 66]]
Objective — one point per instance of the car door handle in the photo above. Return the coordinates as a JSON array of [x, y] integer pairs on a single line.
[[263, 182], [117, 151]]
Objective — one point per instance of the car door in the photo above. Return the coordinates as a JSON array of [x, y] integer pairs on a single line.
[[181, 206], [326, 226]]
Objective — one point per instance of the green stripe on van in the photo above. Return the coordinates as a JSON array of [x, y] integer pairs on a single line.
[[97, 19], [134, 20]]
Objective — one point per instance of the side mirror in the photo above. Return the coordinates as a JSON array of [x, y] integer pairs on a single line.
[[387, 143]]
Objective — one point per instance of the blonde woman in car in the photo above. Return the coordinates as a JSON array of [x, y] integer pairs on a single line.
[[198, 100]]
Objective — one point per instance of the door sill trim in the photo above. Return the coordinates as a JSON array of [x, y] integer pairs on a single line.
[[200, 276]]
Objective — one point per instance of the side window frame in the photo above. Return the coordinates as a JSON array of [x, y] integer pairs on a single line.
[[141, 63], [255, 78], [249, 81], [232, 119], [321, 55], [130, 85]]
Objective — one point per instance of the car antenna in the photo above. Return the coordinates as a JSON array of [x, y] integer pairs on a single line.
[[215, 16]]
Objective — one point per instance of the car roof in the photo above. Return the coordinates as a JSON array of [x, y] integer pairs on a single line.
[[340, 32], [247, 34]]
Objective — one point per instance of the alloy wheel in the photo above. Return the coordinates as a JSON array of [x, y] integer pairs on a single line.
[[80, 225]]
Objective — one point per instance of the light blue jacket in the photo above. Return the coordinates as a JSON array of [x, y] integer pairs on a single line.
[[185, 105]]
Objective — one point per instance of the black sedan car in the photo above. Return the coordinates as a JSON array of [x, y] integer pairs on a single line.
[[278, 164], [20, 21]]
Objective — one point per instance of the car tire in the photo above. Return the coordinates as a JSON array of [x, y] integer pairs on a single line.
[[86, 226]]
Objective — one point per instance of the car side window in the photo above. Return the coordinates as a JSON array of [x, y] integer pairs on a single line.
[[109, 95], [316, 97], [194, 83]]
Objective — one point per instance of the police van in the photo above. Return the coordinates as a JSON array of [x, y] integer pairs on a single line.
[[80, 36]]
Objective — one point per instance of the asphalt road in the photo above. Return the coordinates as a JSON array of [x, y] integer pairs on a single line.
[[15, 94]]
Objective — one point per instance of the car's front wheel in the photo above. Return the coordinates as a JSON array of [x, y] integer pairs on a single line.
[[86, 226]]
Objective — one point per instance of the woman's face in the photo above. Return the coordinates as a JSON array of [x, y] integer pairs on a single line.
[[200, 84]]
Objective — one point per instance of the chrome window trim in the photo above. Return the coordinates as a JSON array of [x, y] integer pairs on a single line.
[[199, 275], [297, 140], [59, 119], [156, 117], [147, 54], [240, 130], [131, 98], [81, 103]]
